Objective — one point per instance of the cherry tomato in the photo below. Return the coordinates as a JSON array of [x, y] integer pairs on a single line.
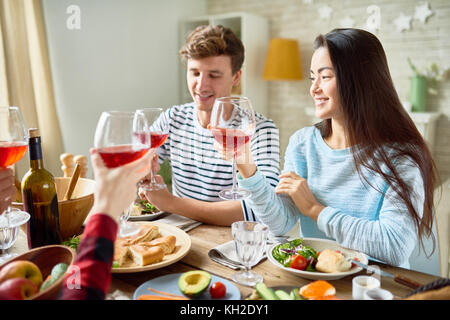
[[218, 290], [299, 262]]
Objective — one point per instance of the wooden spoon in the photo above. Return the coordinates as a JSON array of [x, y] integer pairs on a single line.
[[73, 182]]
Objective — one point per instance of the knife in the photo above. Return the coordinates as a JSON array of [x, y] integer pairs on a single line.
[[397, 278]]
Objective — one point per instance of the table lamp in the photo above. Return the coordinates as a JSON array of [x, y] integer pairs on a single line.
[[283, 60]]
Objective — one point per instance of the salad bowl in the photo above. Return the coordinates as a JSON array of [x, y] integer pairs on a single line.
[[319, 245]]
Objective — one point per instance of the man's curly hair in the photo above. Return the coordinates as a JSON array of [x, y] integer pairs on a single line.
[[209, 41]]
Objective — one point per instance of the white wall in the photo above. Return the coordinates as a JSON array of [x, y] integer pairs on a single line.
[[124, 56]]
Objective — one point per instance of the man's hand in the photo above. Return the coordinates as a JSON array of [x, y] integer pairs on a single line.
[[7, 188], [297, 188], [161, 199]]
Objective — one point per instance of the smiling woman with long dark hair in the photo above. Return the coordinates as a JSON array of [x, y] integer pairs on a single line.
[[364, 175]]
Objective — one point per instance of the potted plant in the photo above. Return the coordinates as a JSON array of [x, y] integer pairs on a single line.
[[422, 82]]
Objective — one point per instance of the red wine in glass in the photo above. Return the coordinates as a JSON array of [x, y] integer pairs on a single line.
[[232, 124], [117, 156], [230, 139], [120, 138], [157, 139], [11, 152], [13, 145]]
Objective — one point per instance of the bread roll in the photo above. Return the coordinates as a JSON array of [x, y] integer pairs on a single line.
[[331, 261], [166, 243], [121, 251], [143, 255], [146, 233]]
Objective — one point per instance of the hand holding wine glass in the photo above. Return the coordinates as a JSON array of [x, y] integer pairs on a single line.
[[158, 130], [116, 187], [120, 138], [232, 124]]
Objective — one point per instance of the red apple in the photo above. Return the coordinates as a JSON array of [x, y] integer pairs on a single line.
[[17, 289], [22, 269]]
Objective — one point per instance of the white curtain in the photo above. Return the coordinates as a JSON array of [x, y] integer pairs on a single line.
[[25, 77]]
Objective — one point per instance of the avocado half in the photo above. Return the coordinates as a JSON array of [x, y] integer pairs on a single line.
[[193, 283]]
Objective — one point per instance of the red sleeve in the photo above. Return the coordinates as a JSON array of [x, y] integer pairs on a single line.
[[90, 275]]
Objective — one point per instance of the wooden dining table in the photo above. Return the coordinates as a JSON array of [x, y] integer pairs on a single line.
[[206, 237]]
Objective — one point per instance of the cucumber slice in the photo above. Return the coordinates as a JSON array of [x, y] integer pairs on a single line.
[[283, 295], [266, 293]]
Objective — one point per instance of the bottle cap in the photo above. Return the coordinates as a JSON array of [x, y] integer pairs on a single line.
[[33, 132]]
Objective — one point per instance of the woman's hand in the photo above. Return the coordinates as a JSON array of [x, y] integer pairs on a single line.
[[7, 188], [116, 188], [244, 159], [297, 188]]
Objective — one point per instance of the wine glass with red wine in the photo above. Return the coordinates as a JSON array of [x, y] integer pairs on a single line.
[[13, 145], [158, 130], [232, 125], [118, 143]]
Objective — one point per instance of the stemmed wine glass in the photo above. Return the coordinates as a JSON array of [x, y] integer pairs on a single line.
[[250, 240], [13, 145], [232, 124], [158, 129], [120, 138]]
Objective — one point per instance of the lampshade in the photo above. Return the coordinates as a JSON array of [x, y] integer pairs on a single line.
[[283, 60]]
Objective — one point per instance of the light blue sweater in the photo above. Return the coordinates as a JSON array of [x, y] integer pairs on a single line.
[[356, 215]]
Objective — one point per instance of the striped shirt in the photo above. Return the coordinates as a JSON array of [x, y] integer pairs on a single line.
[[198, 170]]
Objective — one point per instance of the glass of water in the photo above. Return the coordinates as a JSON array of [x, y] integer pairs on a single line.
[[10, 223], [250, 241]]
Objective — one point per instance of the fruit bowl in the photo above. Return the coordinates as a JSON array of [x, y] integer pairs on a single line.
[[45, 258], [73, 212]]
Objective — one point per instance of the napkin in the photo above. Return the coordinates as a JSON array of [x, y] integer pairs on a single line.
[[228, 249], [181, 222]]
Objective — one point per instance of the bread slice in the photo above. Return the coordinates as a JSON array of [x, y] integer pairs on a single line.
[[167, 243], [121, 252], [143, 255], [331, 261], [146, 233]]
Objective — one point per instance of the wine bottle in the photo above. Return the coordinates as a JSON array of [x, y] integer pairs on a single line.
[[39, 198]]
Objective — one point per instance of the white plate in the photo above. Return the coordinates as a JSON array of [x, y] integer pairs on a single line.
[[146, 217], [182, 247], [320, 245]]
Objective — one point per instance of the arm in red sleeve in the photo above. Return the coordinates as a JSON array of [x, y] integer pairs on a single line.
[[90, 275]]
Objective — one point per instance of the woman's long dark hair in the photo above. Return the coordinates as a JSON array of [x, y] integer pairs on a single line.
[[375, 119]]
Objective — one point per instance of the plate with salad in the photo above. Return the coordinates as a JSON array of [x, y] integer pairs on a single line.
[[300, 256], [144, 211]]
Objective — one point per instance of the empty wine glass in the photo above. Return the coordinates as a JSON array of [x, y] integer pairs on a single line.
[[120, 138], [9, 230], [13, 145], [250, 241], [232, 124], [158, 129]]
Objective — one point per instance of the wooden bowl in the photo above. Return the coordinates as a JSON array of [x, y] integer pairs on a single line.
[[73, 212], [46, 258]]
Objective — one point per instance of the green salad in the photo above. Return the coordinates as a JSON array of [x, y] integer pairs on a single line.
[[295, 254], [146, 206]]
